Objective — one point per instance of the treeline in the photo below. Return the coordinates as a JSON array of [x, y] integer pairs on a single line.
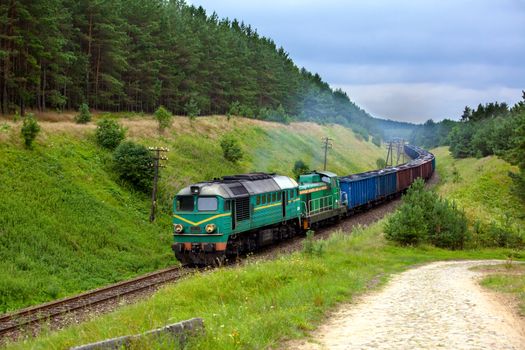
[[490, 129], [136, 55]]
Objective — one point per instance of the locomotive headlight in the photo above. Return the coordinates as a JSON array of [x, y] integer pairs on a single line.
[[210, 228], [179, 228]]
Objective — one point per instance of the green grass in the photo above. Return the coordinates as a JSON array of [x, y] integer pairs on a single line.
[[260, 304], [510, 280], [481, 187], [68, 225]]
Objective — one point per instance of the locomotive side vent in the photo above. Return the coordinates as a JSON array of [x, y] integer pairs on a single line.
[[242, 208], [238, 189]]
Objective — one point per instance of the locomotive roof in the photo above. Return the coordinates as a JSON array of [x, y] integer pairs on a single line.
[[235, 186]]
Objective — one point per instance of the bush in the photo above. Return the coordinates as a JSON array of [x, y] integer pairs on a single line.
[[133, 164], [300, 168], [376, 140], [83, 116], [30, 130], [231, 149], [311, 247], [192, 109], [406, 226], [164, 118], [109, 133], [424, 217], [381, 163]]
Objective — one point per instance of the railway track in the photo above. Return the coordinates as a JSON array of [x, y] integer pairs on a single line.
[[25, 317]]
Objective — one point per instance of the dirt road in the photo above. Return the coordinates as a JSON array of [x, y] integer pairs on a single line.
[[436, 306]]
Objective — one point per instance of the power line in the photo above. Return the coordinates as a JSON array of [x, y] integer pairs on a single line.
[[157, 158], [326, 145]]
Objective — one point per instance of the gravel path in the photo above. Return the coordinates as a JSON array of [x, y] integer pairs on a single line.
[[436, 306]]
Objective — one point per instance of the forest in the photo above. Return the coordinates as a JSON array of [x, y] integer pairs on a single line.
[[136, 55], [489, 129]]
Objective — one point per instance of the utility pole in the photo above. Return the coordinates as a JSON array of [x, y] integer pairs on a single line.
[[326, 145], [157, 158], [389, 155]]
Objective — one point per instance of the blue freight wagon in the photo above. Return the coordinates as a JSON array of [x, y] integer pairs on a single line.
[[359, 189], [386, 183]]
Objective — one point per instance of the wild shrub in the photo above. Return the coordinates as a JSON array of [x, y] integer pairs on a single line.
[[424, 217], [164, 118], [376, 140], [300, 168], [496, 234], [30, 130], [311, 247], [381, 163], [231, 150], [132, 163], [109, 133], [406, 226], [192, 109], [83, 116]]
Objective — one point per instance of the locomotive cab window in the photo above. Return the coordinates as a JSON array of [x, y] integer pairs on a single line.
[[325, 179], [207, 204], [185, 203], [258, 200]]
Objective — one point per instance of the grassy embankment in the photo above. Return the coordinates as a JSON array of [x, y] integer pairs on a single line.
[[68, 225], [481, 187], [484, 190], [259, 305]]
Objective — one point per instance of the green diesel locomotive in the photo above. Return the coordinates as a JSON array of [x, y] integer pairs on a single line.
[[238, 214]]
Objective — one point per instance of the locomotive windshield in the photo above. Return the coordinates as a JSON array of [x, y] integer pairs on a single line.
[[207, 204], [185, 203]]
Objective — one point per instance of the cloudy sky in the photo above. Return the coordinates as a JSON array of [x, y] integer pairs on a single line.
[[401, 59]]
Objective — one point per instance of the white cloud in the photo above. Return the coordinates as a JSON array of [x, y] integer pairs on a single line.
[[420, 102]]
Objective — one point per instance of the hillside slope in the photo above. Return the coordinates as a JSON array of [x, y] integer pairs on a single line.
[[481, 187], [67, 224]]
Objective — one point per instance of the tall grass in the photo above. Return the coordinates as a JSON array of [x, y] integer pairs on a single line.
[[261, 303]]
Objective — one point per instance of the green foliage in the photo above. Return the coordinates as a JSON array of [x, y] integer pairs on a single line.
[[498, 234], [30, 130], [136, 55], [164, 118], [275, 115], [376, 140], [83, 116], [380, 163], [312, 247], [424, 217], [67, 226], [109, 133], [133, 164], [300, 168], [192, 109], [231, 149], [360, 132]]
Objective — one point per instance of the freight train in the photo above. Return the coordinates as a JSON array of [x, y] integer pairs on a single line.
[[225, 218]]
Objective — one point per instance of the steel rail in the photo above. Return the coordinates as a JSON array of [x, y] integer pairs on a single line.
[[30, 315]]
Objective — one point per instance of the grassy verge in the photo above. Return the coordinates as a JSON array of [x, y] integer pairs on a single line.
[[481, 187], [508, 279], [262, 303], [67, 224]]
